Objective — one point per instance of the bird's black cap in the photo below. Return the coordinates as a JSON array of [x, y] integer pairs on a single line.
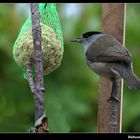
[[88, 34], [85, 35]]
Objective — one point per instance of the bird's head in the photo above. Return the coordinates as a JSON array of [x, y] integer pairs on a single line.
[[86, 36]]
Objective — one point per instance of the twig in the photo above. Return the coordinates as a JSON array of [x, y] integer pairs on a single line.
[[29, 75], [39, 83], [36, 32], [117, 30], [30, 78]]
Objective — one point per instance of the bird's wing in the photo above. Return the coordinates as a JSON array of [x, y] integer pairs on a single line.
[[107, 49]]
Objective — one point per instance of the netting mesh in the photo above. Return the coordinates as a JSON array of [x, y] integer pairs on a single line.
[[52, 40]]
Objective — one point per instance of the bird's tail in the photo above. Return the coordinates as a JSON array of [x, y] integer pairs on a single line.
[[132, 81], [126, 72]]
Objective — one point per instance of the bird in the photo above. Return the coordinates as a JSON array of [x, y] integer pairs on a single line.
[[52, 41], [108, 58]]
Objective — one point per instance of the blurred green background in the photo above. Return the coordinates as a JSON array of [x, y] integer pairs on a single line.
[[72, 90]]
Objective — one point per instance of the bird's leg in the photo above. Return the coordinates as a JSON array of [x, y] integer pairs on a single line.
[[114, 91]]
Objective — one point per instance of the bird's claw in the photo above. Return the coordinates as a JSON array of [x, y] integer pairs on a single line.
[[113, 98]]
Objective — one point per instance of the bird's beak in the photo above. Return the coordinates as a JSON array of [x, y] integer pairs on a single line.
[[76, 40]]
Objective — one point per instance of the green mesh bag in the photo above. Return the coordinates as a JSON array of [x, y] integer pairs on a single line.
[[52, 41]]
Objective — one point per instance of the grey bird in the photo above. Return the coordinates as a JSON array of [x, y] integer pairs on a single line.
[[107, 57]]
